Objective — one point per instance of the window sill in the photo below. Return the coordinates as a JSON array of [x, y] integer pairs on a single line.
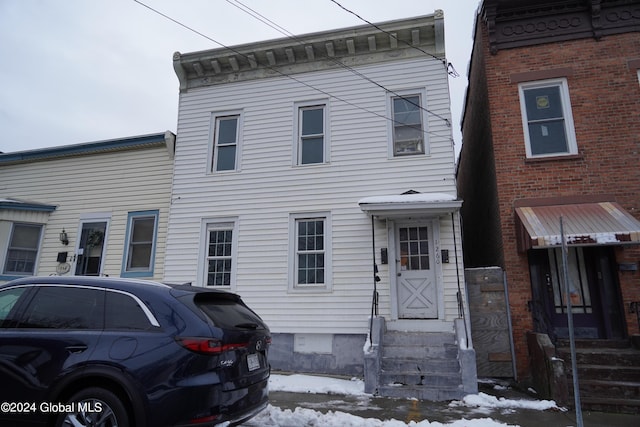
[[554, 158], [310, 289]]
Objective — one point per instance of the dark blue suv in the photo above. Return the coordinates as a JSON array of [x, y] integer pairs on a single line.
[[87, 351]]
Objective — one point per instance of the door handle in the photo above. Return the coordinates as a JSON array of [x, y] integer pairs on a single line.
[[74, 349]]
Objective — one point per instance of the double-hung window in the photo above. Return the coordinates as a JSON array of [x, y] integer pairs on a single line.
[[311, 145], [226, 142], [408, 124], [139, 256], [22, 252], [311, 251], [219, 254], [547, 119]]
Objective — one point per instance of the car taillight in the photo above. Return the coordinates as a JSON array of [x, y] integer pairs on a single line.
[[208, 345]]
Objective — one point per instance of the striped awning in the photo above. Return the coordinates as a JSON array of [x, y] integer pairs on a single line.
[[585, 224]]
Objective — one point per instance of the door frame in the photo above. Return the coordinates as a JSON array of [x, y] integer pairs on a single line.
[[394, 257], [87, 218]]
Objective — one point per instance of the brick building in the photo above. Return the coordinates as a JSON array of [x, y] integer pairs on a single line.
[[551, 129]]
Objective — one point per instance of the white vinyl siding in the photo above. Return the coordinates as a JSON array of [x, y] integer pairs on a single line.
[[547, 119], [268, 189], [113, 182]]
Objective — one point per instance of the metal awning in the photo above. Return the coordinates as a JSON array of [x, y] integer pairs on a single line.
[[585, 224], [405, 205]]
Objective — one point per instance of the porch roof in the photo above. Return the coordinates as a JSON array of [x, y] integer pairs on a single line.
[[585, 224], [415, 204]]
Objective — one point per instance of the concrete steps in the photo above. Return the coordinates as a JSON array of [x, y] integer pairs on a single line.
[[420, 365]]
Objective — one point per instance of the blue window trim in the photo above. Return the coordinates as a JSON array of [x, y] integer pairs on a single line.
[[130, 217]]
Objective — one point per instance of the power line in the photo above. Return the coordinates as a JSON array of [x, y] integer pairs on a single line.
[[448, 65], [290, 35], [284, 74]]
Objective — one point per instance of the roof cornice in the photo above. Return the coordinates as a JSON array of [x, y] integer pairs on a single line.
[[350, 47], [136, 142]]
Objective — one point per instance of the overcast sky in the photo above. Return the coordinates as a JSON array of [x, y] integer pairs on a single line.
[[75, 71]]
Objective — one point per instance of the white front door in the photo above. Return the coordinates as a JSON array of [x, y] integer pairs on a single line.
[[90, 246], [416, 286]]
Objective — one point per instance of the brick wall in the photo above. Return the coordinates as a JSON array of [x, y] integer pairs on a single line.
[[605, 99]]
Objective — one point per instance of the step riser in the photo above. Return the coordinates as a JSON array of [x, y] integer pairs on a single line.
[[419, 353], [422, 393], [421, 380], [424, 340], [607, 373], [424, 366]]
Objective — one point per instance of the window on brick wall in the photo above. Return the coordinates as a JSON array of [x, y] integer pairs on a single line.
[[547, 119]]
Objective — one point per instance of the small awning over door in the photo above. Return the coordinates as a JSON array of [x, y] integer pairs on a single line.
[[585, 224], [407, 205]]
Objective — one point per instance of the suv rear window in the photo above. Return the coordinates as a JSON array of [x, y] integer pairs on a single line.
[[123, 312], [227, 313]]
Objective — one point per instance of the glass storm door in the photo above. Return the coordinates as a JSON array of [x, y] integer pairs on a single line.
[[416, 282], [91, 245]]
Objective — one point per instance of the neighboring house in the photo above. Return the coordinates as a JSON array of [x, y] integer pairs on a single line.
[[98, 208], [300, 160], [551, 130]]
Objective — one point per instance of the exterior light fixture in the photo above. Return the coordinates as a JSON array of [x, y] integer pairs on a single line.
[[64, 239]]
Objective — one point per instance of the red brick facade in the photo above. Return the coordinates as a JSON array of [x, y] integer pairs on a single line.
[[604, 89]]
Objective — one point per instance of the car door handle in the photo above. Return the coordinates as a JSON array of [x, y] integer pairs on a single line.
[[76, 348]]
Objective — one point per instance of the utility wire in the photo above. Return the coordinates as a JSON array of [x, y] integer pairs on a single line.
[[282, 30], [448, 65], [278, 71]]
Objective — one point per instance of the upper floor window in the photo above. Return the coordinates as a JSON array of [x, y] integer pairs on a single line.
[[408, 123], [547, 118], [22, 251], [140, 244], [311, 145], [226, 142]]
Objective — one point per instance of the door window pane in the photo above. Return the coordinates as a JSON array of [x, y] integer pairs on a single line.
[[124, 313], [414, 248]]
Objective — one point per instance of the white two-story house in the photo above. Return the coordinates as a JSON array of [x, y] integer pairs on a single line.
[[314, 176]]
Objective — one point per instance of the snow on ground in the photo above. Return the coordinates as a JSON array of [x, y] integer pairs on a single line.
[[274, 416]]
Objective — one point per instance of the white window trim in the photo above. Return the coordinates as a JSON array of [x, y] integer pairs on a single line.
[[212, 156], [293, 263], [206, 225], [422, 93], [572, 145], [297, 143]]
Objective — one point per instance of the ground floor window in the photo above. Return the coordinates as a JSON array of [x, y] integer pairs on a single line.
[[310, 243], [22, 251], [220, 254]]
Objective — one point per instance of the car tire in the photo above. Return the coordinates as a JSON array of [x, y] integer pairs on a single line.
[[95, 407]]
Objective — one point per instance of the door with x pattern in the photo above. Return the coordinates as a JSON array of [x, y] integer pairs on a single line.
[[416, 286]]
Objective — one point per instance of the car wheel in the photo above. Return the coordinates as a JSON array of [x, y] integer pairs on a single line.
[[94, 407]]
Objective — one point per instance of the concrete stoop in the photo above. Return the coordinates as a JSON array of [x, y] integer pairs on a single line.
[[420, 365]]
